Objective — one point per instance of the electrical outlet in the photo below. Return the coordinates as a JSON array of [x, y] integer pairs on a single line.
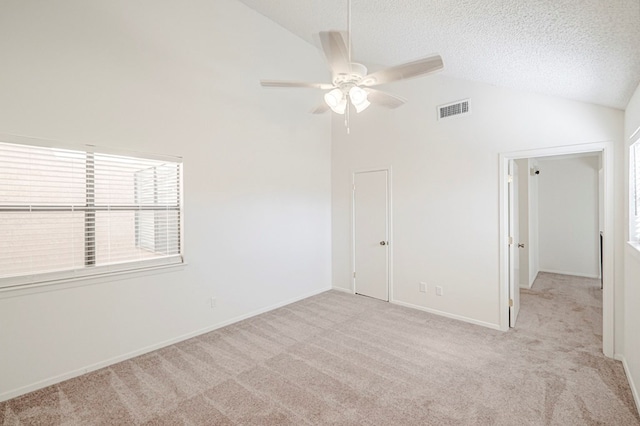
[[213, 302], [438, 290], [423, 287]]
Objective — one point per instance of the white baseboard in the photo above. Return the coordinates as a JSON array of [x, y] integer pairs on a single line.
[[344, 290], [632, 385], [532, 280], [93, 367], [575, 274], [448, 315]]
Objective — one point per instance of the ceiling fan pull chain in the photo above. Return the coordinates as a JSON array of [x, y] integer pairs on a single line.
[[346, 119], [347, 115]]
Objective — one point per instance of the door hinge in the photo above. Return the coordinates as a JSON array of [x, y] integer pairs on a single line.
[[354, 187], [511, 303], [354, 275], [510, 241], [509, 178]]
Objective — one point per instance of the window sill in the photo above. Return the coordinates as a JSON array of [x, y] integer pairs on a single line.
[[634, 250], [62, 284]]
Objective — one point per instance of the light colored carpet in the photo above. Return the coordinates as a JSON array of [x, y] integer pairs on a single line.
[[342, 359]]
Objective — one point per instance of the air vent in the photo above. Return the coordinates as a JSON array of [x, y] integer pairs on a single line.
[[454, 109]]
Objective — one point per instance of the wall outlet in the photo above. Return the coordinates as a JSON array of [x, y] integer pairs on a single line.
[[438, 290], [423, 287], [213, 302]]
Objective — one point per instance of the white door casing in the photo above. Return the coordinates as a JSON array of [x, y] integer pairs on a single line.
[[371, 233], [608, 293], [514, 256]]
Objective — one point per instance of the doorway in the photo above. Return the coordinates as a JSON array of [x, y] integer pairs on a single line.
[[507, 287], [371, 231]]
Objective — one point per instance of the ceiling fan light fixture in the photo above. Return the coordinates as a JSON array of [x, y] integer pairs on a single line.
[[358, 97], [362, 106], [334, 98], [341, 107]]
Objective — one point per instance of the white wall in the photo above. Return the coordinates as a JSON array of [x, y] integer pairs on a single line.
[[523, 222], [534, 261], [631, 292], [446, 184], [178, 78], [569, 241]]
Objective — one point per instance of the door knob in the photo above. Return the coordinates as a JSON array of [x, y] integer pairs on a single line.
[[383, 243]]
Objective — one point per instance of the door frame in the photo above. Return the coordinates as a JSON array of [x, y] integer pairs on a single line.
[[389, 227], [513, 232], [608, 301]]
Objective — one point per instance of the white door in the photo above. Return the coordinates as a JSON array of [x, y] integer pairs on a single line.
[[514, 267], [371, 244], [523, 220]]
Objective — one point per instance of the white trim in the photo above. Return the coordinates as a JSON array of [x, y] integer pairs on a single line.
[[371, 169], [575, 274], [630, 199], [62, 284], [632, 385], [608, 300], [634, 250], [387, 169], [93, 367], [503, 235], [390, 246], [513, 256], [608, 295], [344, 290], [447, 315], [53, 278]]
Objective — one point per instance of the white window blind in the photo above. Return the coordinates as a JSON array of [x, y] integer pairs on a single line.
[[634, 186], [67, 213]]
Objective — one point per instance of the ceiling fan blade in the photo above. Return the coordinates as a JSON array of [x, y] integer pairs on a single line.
[[278, 83], [321, 109], [383, 99], [404, 71], [336, 51]]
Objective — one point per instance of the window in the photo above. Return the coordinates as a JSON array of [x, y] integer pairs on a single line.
[[634, 187], [67, 213]]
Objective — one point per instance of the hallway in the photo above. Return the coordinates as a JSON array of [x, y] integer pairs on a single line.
[[563, 313], [565, 309]]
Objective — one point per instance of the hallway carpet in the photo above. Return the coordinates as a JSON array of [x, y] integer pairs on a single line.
[[336, 358]]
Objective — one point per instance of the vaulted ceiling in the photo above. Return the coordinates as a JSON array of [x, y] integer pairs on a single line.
[[587, 50]]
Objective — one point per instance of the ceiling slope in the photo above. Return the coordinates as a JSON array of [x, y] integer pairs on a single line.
[[587, 50]]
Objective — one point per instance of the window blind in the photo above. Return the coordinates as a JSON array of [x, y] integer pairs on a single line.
[[67, 213], [634, 177]]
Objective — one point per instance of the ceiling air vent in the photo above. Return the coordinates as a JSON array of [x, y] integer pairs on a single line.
[[454, 109]]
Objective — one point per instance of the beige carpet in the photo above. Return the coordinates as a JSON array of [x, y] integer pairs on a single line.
[[342, 359]]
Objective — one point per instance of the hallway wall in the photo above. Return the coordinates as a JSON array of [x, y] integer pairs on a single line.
[[568, 215]]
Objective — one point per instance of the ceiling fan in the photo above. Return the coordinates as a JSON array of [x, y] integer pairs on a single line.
[[351, 85]]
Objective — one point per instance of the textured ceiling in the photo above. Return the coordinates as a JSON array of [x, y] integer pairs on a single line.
[[588, 50]]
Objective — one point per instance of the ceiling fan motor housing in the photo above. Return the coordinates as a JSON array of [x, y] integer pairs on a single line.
[[356, 74]]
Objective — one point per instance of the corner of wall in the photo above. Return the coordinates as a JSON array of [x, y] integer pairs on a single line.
[[632, 385]]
